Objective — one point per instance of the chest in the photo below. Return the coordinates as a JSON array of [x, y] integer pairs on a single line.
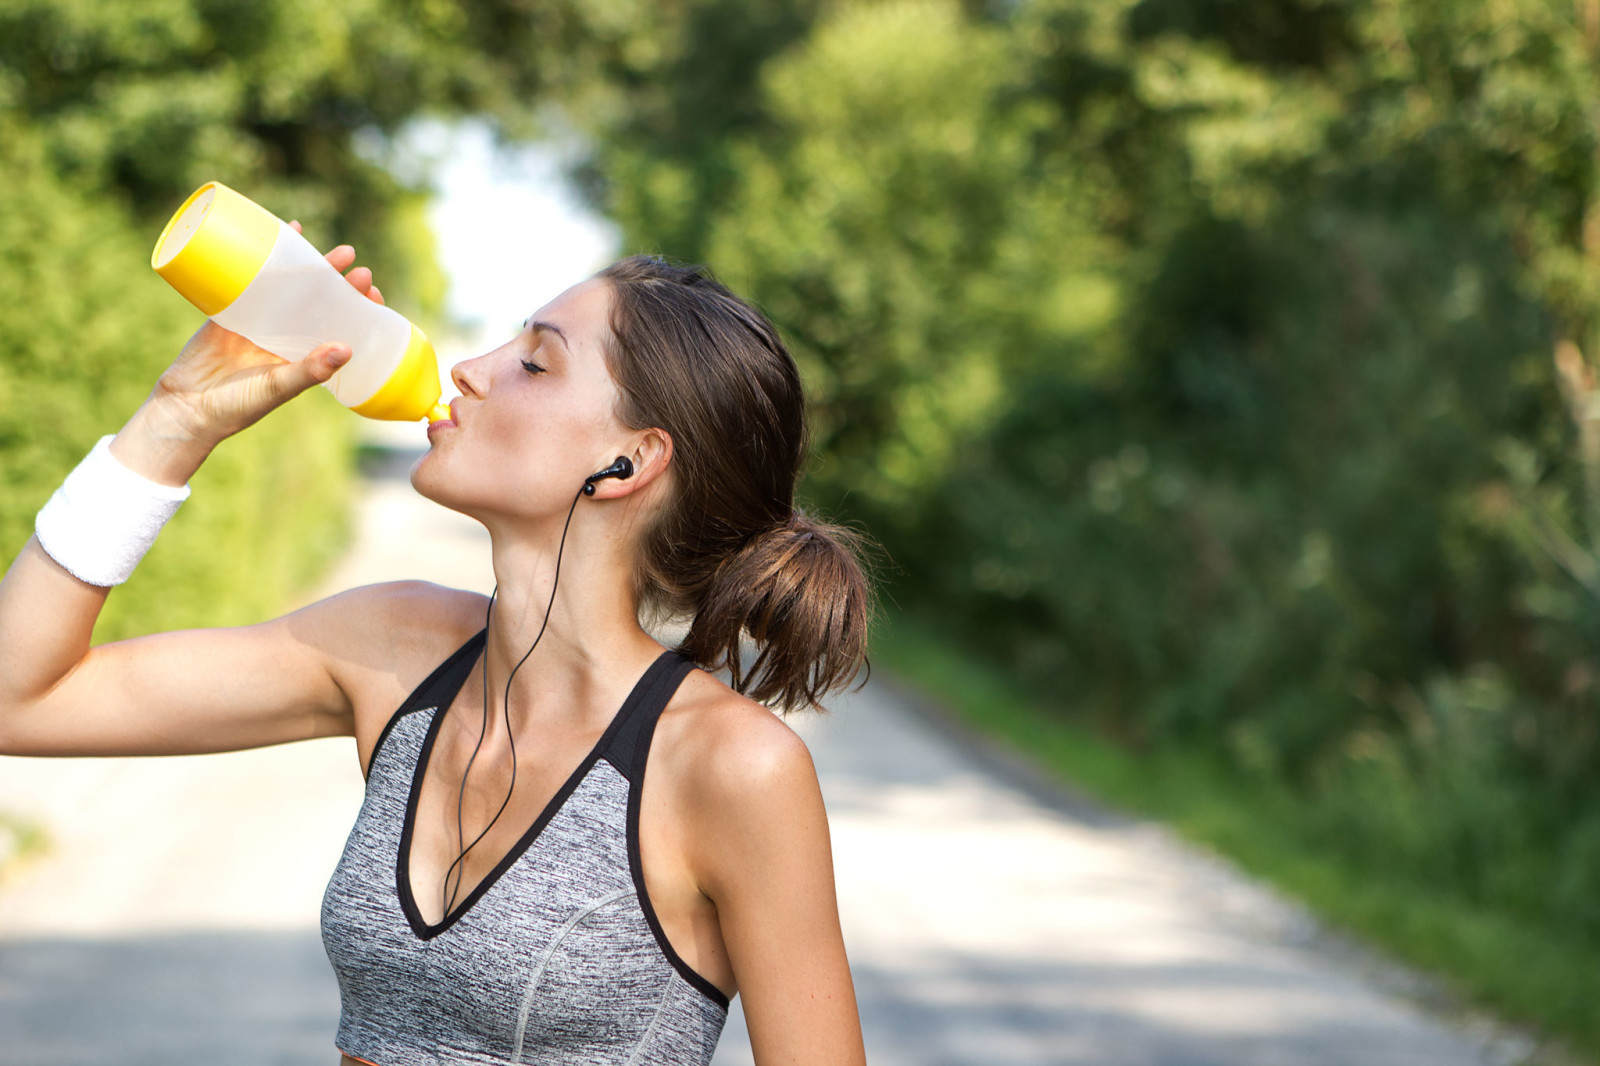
[[551, 936], [472, 815]]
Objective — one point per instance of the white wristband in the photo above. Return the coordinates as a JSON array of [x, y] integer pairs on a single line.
[[104, 517]]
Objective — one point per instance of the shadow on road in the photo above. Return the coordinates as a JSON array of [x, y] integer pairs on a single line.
[[159, 1000], [165, 999]]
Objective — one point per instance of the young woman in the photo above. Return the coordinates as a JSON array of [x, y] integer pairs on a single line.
[[581, 860]]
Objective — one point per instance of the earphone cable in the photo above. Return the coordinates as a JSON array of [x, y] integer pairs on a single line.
[[506, 707], [447, 901]]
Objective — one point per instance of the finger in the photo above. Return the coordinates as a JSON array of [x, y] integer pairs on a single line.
[[294, 224], [342, 258], [375, 296], [361, 278]]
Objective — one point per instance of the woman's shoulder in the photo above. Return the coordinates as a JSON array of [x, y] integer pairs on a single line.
[[722, 745], [394, 623], [381, 641], [745, 792]]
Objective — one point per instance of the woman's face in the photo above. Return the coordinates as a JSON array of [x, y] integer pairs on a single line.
[[535, 416]]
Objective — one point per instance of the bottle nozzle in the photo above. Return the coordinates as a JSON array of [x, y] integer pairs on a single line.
[[440, 412]]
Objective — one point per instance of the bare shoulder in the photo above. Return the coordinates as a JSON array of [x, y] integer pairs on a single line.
[[741, 778], [748, 805], [726, 744], [379, 642]]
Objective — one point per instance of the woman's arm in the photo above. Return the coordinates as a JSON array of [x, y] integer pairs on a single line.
[[767, 863], [203, 690]]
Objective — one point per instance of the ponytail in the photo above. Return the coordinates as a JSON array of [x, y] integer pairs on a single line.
[[801, 593]]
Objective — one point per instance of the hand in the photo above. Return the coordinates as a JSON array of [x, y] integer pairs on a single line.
[[222, 383]]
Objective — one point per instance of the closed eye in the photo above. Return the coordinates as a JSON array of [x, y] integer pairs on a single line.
[[532, 368]]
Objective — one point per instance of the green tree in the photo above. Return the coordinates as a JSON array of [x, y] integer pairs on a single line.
[[878, 217]]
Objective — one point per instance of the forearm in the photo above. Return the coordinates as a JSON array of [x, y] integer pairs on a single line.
[[156, 444]]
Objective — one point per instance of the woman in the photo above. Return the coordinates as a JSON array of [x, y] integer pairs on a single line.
[[582, 861]]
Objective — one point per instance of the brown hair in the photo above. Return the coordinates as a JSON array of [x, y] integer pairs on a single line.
[[731, 550]]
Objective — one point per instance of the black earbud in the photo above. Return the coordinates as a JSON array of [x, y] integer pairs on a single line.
[[622, 469]]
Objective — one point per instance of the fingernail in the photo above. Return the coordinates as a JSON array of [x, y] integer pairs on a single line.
[[339, 356]]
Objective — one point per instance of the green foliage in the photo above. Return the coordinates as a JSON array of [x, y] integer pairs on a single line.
[[666, 100], [148, 101], [873, 223]]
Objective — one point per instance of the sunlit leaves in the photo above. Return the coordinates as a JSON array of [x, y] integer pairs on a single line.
[[881, 223]]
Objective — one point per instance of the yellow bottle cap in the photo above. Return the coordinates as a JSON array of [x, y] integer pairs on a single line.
[[412, 391], [214, 245]]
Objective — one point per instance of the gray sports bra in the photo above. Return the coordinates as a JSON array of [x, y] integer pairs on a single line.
[[556, 956]]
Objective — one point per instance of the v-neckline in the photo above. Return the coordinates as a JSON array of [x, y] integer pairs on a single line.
[[408, 903]]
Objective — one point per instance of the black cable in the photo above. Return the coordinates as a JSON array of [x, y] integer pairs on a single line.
[[506, 707], [461, 796]]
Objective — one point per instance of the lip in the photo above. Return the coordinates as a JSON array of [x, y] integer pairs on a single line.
[[443, 424]]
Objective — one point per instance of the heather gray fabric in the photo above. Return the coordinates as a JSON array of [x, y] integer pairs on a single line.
[[556, 957]]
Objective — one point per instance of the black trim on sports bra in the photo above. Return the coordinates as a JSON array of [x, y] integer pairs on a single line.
[[642, 688], [640, 756], [441, 679]]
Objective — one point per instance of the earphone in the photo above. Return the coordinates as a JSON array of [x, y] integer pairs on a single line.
[[622, 469]]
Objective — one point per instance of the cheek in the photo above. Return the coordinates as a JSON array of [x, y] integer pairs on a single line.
[[526, 456]]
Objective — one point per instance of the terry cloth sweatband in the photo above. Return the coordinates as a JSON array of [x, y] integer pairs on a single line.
[[104, 517]]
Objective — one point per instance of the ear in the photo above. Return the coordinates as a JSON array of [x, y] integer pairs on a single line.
[[650, 452]]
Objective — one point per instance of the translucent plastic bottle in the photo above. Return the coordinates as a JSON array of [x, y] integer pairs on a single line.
[[253, 274]]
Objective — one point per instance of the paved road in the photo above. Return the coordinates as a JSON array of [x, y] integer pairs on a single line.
[[990, 920]]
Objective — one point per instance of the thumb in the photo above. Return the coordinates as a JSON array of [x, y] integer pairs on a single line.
[[328, 359], [291, 379]]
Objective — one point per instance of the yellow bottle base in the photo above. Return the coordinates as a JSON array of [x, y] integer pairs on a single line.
[[412, 391]]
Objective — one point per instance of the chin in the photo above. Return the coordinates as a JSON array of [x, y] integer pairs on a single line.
[[431, 482], [425, 479]]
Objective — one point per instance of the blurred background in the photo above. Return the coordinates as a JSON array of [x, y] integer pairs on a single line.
[[1218, 376]]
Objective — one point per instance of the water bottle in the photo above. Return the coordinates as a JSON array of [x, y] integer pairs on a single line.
[[251, 273]]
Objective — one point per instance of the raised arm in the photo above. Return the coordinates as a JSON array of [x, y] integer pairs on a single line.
[[190, 691]]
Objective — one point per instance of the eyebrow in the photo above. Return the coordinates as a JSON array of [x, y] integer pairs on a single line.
[[537, 324]]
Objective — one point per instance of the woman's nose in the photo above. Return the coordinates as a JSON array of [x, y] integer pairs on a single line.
[[465, 374]]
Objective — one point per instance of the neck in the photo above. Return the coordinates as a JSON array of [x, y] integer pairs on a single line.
[[591, 640]]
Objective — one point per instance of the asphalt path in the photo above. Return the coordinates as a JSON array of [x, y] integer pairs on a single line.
[[991, 918]]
